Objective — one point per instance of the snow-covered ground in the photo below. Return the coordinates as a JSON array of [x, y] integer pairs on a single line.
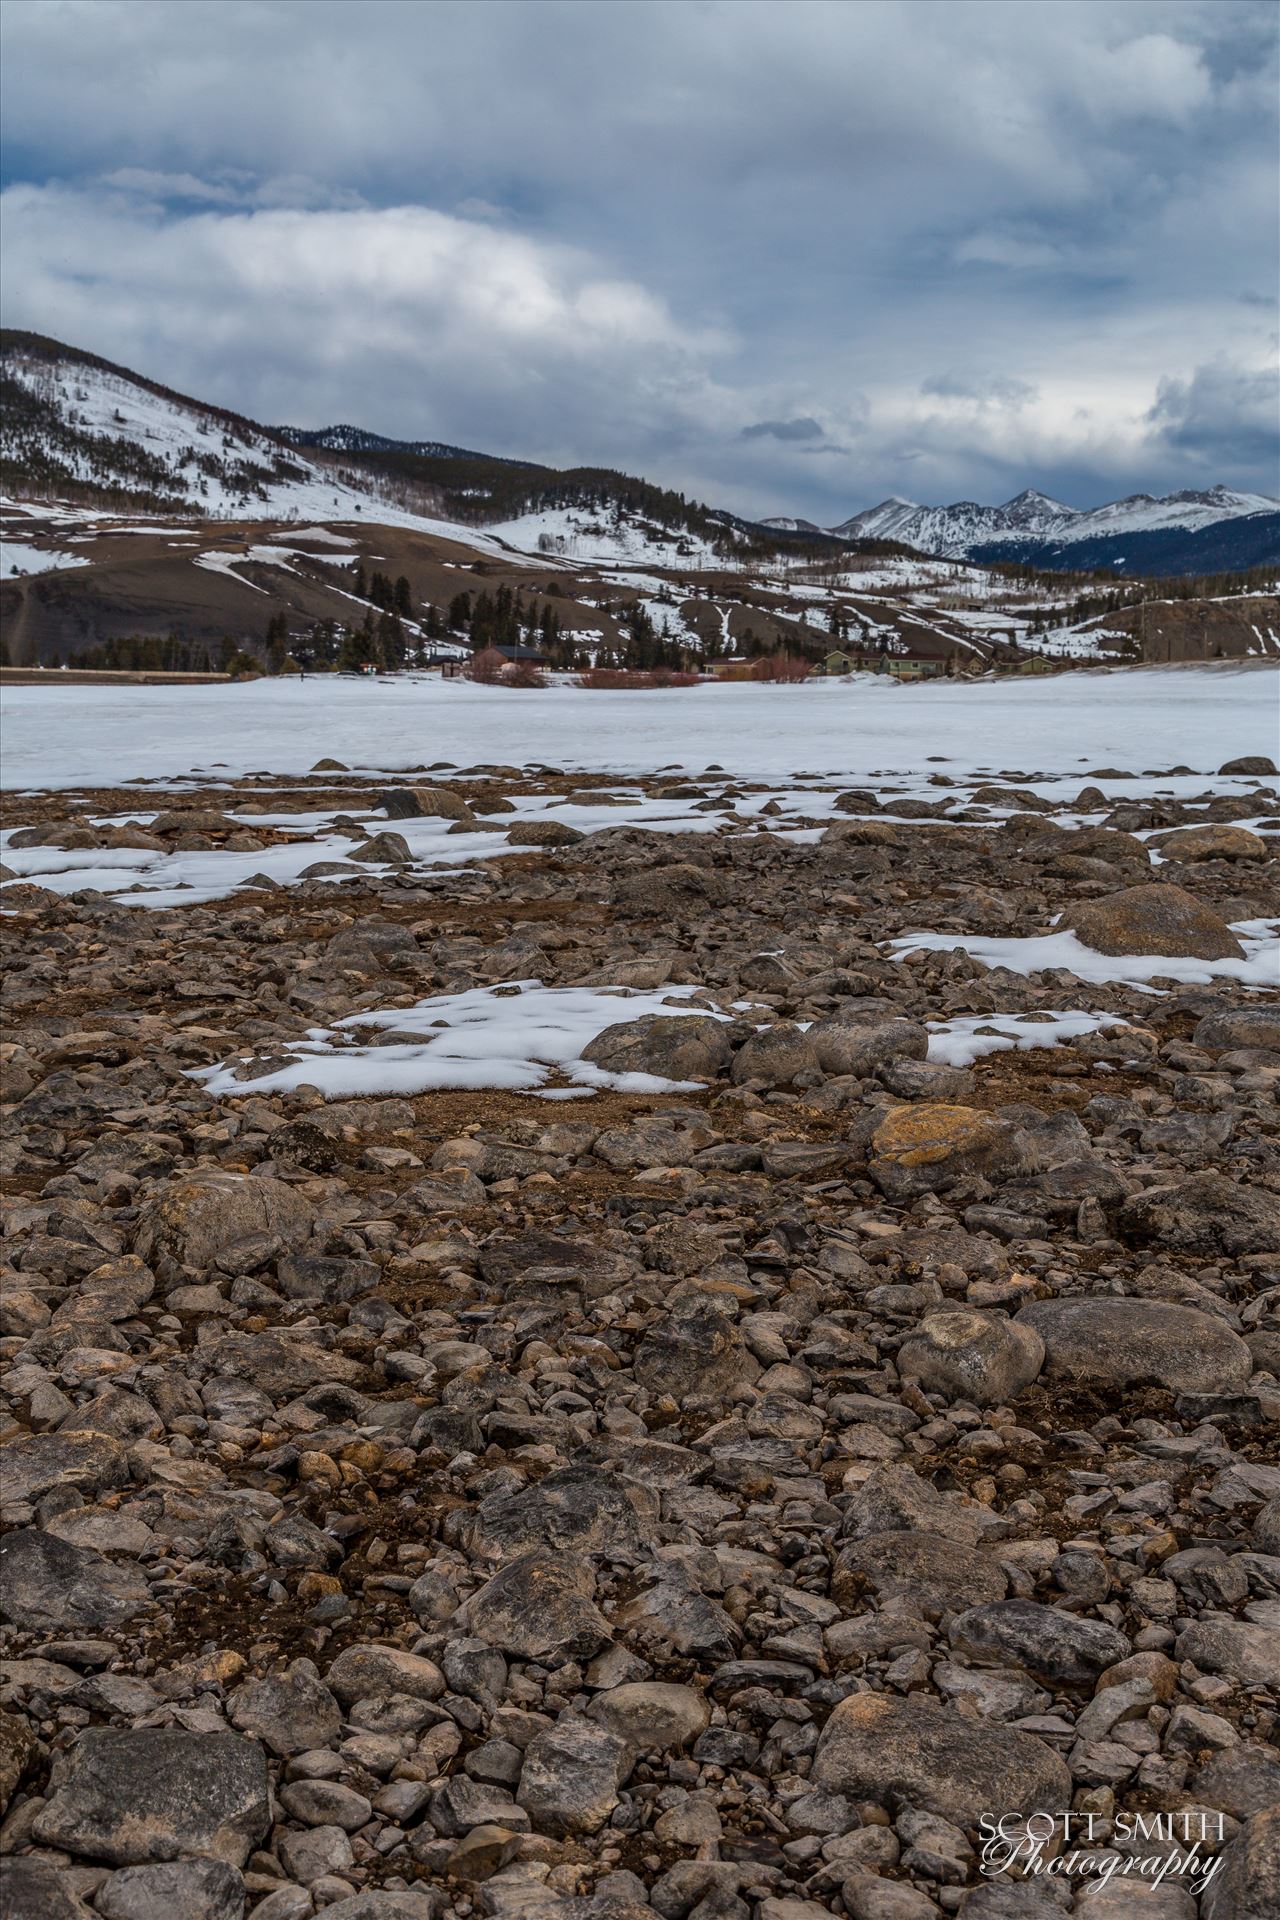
[[859, 731], [518, 1035], [971, 1036], [1039, 953], [19, 556], [512, 1036]]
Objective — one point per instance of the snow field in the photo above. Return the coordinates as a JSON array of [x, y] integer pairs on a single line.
[[1054, 729]]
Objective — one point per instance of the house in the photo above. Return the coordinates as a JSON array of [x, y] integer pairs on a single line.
[[840, 662], [524, 656]]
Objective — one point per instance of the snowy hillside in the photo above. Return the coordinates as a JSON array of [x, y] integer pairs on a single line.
[[74, 425], [608, 538]]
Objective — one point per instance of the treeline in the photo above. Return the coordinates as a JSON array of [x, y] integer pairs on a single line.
[[505, 618], [1094, 601], [164, 653]]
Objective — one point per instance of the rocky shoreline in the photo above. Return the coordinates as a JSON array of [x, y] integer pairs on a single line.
[[712, 1503]]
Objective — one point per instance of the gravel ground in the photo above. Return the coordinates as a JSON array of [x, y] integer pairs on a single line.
[[755, 1501]]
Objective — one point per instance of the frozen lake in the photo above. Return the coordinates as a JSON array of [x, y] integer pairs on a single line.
[[1145, 720]]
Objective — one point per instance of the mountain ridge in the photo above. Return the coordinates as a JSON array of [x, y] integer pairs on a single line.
[[1032, 522], [78, 425]]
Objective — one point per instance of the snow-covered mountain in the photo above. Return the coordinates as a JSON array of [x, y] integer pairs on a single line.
[[957, 530], [1179, 532]]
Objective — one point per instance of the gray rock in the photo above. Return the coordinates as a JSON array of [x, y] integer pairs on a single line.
[[46, 1584], [193, 1889], [893, 1751], [571, 1774], [1060, 1648], [1128, 1343], [131, 1798], [540, 1607], [968, 1355]]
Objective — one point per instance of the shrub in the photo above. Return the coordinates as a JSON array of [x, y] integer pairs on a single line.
[[487, 667], [785, 668], [523, 673], [621, 677]]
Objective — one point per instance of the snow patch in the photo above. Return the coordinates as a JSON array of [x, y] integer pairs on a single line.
[[1039, 952], [513, 1037]]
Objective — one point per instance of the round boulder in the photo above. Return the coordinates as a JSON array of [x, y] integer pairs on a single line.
[[1212, 843], [877, 1747], [1130, 1343], [678, 1046], [859, 1046], [1157, 919], [968, 1355], [925, 1149]]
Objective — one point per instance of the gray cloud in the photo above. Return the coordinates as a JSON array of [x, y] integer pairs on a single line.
[[966, 241], [805, 428], [984, 390], [1223, 412]]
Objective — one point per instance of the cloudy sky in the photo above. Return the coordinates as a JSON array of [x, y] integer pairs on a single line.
[[786, 257]]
